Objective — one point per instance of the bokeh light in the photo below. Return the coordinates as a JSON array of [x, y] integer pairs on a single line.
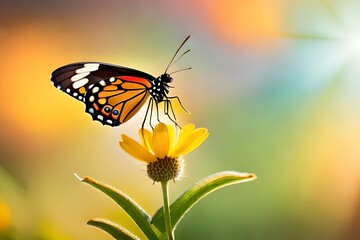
[[275, 82]]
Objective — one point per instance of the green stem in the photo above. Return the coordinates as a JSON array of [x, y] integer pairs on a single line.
[[167, 219]]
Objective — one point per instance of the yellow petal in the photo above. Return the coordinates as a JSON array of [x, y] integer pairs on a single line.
[[192, 141], [145, 136], [171, 131], [160, 141], [185, 132], [136, 150]]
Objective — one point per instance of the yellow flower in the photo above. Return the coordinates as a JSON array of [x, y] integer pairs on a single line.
[[162, 149]]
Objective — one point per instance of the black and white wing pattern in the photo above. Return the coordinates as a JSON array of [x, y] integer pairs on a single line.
[[76, 78]]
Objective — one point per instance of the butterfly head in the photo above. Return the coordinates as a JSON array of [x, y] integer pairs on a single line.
[[165, 78]]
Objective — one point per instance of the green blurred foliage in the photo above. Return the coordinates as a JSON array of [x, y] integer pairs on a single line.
[[277, 87]]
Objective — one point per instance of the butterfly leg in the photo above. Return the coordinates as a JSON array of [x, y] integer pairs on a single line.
[[179, 101], [169, 111], [149, 108], [151, 114], [157, 111]]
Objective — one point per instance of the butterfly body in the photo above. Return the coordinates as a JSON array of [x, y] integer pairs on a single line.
[[160, 88], [112, 94]]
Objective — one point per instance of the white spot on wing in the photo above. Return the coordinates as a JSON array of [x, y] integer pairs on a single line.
[[112, 79], [80, 83], [95, 89], [91, 110], [100, 117], [75, 94], [88, 67], [58, 87], [68, 90], [92, 65], [91, 98], [109, 121], [102, 83], [79, 76]]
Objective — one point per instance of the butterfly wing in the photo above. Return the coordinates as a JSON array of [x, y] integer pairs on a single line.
[[112, 94], [117, 99], [76, 78]]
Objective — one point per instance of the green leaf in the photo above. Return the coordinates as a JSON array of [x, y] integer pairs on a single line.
[[197, 192], [113, 229], [140, 217]]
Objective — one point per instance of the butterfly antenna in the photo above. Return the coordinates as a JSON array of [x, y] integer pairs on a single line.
[[184, 69], [177, 52], [179, 58]]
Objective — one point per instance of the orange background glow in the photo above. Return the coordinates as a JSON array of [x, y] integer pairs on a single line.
[[276, 83]]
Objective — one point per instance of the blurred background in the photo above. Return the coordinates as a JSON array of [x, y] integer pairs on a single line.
[[276, 82]]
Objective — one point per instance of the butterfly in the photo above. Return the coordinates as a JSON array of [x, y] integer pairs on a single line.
[[114, 94]]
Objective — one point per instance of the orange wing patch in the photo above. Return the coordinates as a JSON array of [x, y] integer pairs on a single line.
[[102, 101], [110, 88], [105, 94], [133, 79], [131, 85], [115, 101], [124, 96], [132, 106]]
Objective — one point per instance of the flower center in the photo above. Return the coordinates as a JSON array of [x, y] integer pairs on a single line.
[[165, 169]]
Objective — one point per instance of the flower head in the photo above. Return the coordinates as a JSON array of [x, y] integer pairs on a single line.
[[162, 149]]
